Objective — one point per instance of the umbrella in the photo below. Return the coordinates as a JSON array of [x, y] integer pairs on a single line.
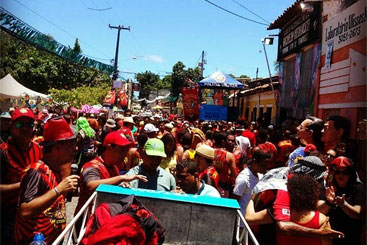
[[222, 80]]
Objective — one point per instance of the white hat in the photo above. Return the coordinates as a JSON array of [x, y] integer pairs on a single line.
[[150, 128], [119, 116], [169, 125], [129, 120], [5, 114], [110, 123]]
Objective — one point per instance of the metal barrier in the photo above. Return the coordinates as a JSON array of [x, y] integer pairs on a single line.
[[70, 236]]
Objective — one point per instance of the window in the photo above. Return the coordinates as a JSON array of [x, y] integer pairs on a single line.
[[306, 79], [288, 81]]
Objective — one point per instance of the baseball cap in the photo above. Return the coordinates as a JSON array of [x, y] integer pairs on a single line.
[[116, 138], [22, 112], [150, 128], [57, 129], [341, 162], [155, 147], [205, 151], [309, 148], [6, 115]]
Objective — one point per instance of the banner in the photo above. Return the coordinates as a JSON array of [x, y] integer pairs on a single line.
[[190, 99], [213, 113], [16, 27]]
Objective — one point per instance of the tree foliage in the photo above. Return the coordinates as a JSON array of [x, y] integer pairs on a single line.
[[40, 70], [82, 95], [179, 76], [148, 82]]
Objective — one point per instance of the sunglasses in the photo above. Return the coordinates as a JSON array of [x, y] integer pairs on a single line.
[[345, 173], [22, 124]]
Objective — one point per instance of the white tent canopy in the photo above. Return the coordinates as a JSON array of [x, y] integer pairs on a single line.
[[9, 87]]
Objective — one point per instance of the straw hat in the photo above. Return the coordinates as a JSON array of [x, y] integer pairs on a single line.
[[205, 151]]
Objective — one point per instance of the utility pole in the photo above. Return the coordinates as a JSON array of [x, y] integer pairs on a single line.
[[201, 64], [119, 28]]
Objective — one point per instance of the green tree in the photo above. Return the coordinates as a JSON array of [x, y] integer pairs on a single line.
[[77, 97], [178, 78], [148, 82], [77, 48], [40, 70]]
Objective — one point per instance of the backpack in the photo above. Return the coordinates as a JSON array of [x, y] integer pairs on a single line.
[[126, 221]]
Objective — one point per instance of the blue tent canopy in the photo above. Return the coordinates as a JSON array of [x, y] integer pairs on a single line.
[[220, 80]]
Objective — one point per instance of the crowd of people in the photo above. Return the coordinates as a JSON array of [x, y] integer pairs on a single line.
[[299, 182]]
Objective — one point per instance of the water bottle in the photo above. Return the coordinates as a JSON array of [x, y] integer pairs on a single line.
[[38, 239]]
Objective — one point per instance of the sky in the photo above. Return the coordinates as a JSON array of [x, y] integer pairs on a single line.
[[162, 32]]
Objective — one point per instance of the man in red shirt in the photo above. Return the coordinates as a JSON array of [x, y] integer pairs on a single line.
[[41, 205], [247, 133], [16, 156]]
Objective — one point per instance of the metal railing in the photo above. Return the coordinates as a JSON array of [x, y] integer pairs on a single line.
[[69, 234], [242, 237]]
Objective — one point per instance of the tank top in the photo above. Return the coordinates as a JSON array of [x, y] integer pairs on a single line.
[[302, 240]]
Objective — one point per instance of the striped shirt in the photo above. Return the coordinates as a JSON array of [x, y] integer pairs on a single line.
[[14, 163], [38, 180]]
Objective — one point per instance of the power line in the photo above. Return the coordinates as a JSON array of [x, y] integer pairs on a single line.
[[59, 27], [250, 11], [240, 16]]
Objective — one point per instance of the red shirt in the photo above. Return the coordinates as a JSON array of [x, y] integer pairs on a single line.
[[38, 180], [251, 136], [285, 149], [14, 163], [212, 174], [102, 173]]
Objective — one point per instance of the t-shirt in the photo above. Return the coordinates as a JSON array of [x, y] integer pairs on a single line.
[[250, 135], [243, 143], [207, 190], [352, 228], [161, 180], [38, 180], [245, 182]]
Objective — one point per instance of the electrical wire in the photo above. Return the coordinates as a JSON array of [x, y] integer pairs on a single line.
[[240, 16], [58, 27], [250, 11]]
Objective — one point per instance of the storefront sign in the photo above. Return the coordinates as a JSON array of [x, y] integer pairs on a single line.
[[347, 27], [301, 32], [213, 113]]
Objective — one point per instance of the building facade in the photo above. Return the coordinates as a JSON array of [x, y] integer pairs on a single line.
[[299, 50], [342, 88]]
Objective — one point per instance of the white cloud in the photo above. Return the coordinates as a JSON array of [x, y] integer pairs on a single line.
[[154, 58]]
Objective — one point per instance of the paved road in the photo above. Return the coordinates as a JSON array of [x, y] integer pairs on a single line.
[[70, 208]]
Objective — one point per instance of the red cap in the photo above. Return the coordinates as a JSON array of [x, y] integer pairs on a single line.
[[57, 129], [309, 148], [116, 138], [341, 162], [22, 112]]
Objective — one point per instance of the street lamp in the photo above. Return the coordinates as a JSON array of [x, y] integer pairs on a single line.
[[268, 41]]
